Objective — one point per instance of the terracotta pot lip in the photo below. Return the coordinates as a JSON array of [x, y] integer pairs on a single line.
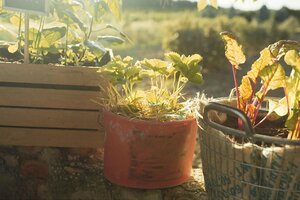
[[189, 120]]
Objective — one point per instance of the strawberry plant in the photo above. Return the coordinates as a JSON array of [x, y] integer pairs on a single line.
[[151, 88], [266, 74]]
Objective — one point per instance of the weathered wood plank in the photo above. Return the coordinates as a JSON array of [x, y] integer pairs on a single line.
[[32, 97], [42, 105], [50, 138], [46, 74], [49, 118]]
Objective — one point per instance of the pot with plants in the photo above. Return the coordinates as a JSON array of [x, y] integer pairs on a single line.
[[150, 128], [250, 143]]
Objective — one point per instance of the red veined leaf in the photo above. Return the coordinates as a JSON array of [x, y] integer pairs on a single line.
[[273, 77], [264, 60]]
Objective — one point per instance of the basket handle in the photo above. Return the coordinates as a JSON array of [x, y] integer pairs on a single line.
[[248, 131]]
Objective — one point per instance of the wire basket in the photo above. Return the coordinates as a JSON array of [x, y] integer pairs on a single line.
[[250, 166]]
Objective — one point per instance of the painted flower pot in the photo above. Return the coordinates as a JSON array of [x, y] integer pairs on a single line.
[[148, 154]]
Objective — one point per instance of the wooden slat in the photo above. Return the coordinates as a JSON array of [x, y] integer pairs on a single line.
[[49, 118], [51, 138], [43, 105], [45, 74], [48, 98]]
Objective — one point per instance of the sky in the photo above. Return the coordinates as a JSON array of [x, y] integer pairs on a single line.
[[251, 5]]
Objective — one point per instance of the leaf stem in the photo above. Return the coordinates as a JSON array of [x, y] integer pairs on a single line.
[[297, 130], [67, 41], [236, 86], [19, 32]]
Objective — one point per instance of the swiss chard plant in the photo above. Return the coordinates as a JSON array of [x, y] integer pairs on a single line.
[[267, 73], [151, 88]]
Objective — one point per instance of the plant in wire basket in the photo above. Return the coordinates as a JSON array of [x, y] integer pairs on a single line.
[[250, 143], [268, 73]]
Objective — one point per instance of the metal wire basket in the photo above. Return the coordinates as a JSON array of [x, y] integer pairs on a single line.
[[244, 165]]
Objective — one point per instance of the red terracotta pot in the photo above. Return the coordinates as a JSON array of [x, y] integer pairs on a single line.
[[148, 154]]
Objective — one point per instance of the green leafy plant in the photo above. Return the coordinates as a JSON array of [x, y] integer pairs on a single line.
[[151, 88], [67, 31], [266, 74]]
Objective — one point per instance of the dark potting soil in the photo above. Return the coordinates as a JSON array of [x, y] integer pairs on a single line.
[[273, 128]]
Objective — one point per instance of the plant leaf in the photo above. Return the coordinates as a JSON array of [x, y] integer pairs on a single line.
[[281, 47], [273, 77], [13, 48], [175, 57], [132, 72], [111, 39], [233, 51], [32, 33], [264, 60], [196, 78], [15, 20], [194, 74], [214, 3], [292, 120], [156, 65], [201, 4], [97, 49], [114, 7], [76, 20], [245, 89], [293, 58], [293, 91], [51, 35], [193, 59], [279, 107], [178, 63]]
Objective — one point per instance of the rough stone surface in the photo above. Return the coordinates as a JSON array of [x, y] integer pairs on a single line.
[[76, 174]]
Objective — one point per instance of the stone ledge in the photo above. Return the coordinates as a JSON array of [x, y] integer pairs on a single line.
[[75, 173]]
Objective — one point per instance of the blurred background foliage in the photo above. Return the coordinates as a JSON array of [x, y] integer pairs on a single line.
[[150, 28], [155, 28]]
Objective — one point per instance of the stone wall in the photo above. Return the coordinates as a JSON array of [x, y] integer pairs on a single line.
[[50, 173], [39, 173]]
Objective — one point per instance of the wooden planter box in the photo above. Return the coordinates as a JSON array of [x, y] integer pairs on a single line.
[[50, 134], [51, 106]]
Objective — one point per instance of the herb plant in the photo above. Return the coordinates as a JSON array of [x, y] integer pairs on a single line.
[[151, 88], [266, 74]]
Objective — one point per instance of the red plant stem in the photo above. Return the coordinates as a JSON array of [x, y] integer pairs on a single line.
[[298, 129], [253, 88], [240, 123], [258, 102], [236, 86]]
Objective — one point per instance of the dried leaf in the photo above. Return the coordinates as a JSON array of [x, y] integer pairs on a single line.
[[233, 51]]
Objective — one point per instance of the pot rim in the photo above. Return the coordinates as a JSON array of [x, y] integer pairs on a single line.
[[148, 121]]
